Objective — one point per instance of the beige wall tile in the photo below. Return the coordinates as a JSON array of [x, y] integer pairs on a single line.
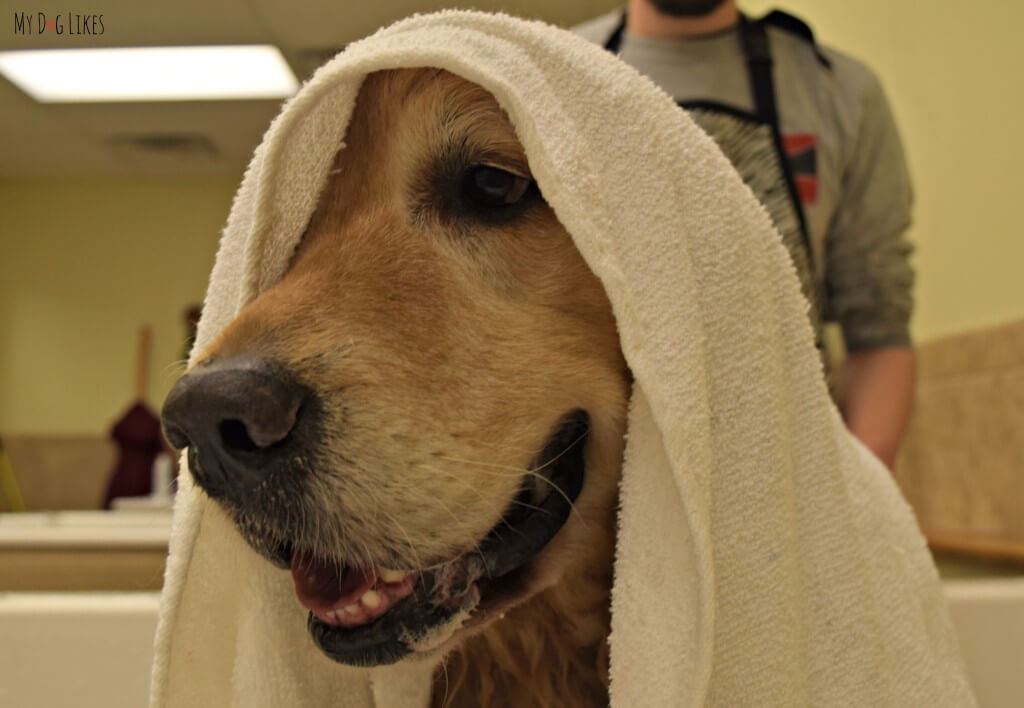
[[962, 465]]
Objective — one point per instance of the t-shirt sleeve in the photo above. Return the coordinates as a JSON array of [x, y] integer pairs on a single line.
[[868, 273]]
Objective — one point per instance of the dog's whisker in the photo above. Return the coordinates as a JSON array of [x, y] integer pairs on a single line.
[[504, 447], [174, 369], [527, 505], [513, 470], [367, 561], [317, 524], [521, 473], [459, 523], [513, 529], [469, 486], [476, 546], [444, 699], [582, 436], [516, 502], [413, 551]]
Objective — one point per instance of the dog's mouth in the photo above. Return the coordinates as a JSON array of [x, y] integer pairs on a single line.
[[368, 616]]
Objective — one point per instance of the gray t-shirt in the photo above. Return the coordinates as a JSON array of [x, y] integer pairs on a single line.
[[844, 151]]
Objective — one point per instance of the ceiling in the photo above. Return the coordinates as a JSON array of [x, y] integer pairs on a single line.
[[194, 138]]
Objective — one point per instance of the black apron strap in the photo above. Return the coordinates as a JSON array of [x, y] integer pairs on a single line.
[[614, 40], [759, 62], [757, 52]]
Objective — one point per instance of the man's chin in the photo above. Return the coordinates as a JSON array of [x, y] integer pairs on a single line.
[[686, 8]]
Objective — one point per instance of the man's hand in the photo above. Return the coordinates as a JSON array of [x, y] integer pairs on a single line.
[[876, 396]]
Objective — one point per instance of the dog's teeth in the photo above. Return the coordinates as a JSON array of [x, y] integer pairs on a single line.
[[391, 576], [371, 599], [351, 609]]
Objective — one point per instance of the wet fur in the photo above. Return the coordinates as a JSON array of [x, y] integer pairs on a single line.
[[444, 345]]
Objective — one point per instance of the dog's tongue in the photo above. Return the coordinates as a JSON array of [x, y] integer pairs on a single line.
[[320, 586]]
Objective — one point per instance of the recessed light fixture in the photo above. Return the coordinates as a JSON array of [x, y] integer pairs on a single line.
[[150, 73]]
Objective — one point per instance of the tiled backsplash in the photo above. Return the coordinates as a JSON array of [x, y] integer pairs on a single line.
[[60, 472], [962, 465]]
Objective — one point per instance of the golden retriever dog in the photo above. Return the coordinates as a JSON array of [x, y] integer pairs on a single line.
[[423, 420]]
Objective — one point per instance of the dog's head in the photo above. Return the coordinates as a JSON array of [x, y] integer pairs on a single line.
[[423, 419]]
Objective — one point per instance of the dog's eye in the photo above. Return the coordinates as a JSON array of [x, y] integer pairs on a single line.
[[490, 187]]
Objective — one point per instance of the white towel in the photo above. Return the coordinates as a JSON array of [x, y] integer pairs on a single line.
[[764, 557]]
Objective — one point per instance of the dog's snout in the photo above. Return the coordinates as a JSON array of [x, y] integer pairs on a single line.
[[232, 414]]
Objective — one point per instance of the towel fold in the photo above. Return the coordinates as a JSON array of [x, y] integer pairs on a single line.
[[764, 557]]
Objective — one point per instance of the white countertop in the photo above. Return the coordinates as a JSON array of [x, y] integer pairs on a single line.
[[150, 529]]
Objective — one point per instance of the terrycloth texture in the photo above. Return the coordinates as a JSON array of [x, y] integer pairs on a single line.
[[764, 557]]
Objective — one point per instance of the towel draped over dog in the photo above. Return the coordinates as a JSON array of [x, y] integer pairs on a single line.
[[764, 557]]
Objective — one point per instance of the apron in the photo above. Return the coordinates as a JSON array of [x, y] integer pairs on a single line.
[[753, 143]]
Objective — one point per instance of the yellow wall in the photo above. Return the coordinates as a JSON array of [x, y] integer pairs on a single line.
[[84, 263], [952, 73]]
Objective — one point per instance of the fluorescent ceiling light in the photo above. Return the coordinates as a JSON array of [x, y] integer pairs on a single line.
[[150, 73]]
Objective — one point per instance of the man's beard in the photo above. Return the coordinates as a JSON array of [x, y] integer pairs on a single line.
[[685, 8]]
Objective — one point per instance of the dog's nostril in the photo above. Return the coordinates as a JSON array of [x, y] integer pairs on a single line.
[[259, 430], [267, 421], [235, 436]]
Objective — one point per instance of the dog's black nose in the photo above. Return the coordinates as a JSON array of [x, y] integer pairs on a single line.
[[233, 415]]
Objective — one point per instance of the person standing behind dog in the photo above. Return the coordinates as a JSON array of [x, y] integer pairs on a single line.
[[810, 131]]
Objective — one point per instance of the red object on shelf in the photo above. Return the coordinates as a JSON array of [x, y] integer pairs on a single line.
[[138, 436]]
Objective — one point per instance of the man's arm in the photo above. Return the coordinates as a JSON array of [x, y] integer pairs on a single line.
[[876, 396], [868, 273]]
